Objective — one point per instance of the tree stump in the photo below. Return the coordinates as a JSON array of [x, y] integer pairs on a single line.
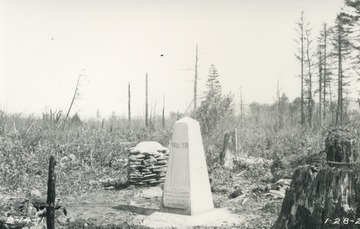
[[328, 197], [229, 149], [339, 146]]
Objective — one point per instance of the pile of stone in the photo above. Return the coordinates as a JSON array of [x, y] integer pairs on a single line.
[[147, 163]]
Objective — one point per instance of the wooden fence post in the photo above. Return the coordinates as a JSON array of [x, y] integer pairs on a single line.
[[50, 203]]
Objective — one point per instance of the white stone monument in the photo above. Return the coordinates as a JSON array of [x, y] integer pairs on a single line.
[[187, 199], [187, 188]]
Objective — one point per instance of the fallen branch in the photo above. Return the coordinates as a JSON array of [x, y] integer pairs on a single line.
[[31, 126]]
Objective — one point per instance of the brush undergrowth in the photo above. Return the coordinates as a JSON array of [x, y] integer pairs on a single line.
[[27, 143]]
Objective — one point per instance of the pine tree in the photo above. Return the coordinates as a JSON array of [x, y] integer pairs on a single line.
[[213, 84], [352, 12], [215, 106], [324, 75], [341, 45]]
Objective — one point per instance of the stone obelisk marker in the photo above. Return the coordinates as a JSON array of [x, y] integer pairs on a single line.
[[187, 188]]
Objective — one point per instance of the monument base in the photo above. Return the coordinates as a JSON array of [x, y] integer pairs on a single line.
[[217, 217]]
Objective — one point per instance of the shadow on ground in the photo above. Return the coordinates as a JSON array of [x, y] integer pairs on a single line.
[[134, 209]]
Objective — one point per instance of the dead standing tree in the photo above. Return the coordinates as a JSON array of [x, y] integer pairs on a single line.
[[328, 197], [76, 93], [196, 78], [146, 101], [301, 57], [129, 104], [163, 112], [309, 74], [324, 73], [320, 68]]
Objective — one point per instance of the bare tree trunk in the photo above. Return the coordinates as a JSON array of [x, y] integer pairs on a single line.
[[320, 85], [195, 82], [331, 105], [302, 87], [129, 104], [163, 112], [339, 100], [278, 118], [308, 42], [302, 68], [146, 101], [325, 68], [241, 108]]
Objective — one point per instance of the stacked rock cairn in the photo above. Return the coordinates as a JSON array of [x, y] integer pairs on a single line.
[[147, 163]]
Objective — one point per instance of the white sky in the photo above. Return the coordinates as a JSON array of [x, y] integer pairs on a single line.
[[46, 44]]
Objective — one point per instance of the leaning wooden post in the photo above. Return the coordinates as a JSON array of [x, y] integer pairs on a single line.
[[50, 203]]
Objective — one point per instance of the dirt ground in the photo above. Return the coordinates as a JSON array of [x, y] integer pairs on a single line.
[[132, 205], [127, 208]]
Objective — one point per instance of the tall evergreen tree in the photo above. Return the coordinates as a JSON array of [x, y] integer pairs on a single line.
[[212, 83], [341, 45], [215, 106], [352, 12], [324, 72]]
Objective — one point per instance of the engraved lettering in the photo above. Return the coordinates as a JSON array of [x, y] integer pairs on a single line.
[[176, 198], [181, 145]]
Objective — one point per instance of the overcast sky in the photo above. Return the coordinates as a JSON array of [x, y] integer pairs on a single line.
[[46, 45]]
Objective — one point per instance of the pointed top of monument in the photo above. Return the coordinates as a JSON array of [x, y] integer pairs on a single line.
[[187, 120]]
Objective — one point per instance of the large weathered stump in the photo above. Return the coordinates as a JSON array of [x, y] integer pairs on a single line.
[[321, 199], [328, 197]]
